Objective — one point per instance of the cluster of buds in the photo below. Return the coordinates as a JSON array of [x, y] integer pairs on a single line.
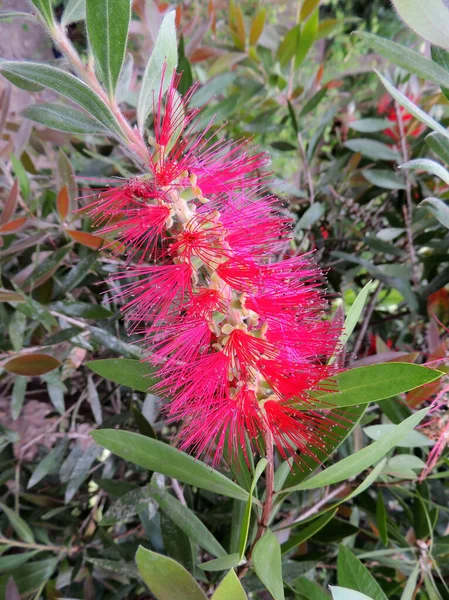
[[239, 339]]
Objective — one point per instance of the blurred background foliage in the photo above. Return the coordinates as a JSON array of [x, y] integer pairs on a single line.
[[73, 514]]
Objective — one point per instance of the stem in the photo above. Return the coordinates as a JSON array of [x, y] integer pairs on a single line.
[[307, 171], [366, 320], [408, 210], [130, 134], [43, 547]]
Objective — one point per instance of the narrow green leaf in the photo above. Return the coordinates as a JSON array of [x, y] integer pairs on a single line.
[[157, 456], [410, 586], [307, 37], [16, 330], [129, 505], [353, 574], [77, 274], [74, 11], [341, 593], [381, 518], [352, 318], [439, 144], [18, 524], [230, 588], [308, 531], [64, 118], [385, 179], [361, 460], [289, 45], [107, 23], [7, 563], [167, 579], [411, 107], [7, 15], [309, 590], [165, 55], [49, 464], [413, 439], [187, 521], [363, 385], [131, 373], [18, 395], [373, 149], [30, 577], [429, 20], [268, 565], [369, 125], [22, 176], [222, 564], [67, 85], [45, 10], [244, 531], [407, 59], [438, 208], [425, 164]]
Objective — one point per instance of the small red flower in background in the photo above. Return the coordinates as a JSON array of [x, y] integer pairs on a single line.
[[238, 339], [386, 107]]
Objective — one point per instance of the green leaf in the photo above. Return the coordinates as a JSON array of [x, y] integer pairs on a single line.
[[429, 20], [267, 564], [363, 385], [385, 179], [352, 318], [353, 574], [222, 564], [7, 563], [49, 464], [369, 125], [373, 149], [80, 471], [74, 11], [309, 590], [7, 15], [131, 373], [157, 456], [129, 505], [341, 593], [410, 586], [230, 588], [438, 208], [107, 23], [18, 524], [16, 330], [30, 577], [413, 439], [425, 164], [439, 144], [67, 85], [85, 310], [407, 59], [308, 36], [381, 518], [308, 531], [165, 53], [186, 520], [361, 460], [45, 10], [289, 45], [64, 118], [76, 275], [244, 531], [167, 579], [18, 395], [22, 176], [411, 107]]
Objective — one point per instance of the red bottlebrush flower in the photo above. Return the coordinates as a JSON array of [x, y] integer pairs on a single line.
[[239, 340], [386, 107]]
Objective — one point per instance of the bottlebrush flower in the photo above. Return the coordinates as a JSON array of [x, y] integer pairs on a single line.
[[239, 339]]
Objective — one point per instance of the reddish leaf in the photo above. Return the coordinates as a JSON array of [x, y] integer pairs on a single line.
[[438, 305], [32, 365], [13, 226], [10, 296], [11, 203], [86, 239], [63, 202], [212, 14]]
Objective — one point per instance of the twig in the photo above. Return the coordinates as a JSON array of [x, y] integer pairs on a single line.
[[178, 491], [408, 210], [307, 171]]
